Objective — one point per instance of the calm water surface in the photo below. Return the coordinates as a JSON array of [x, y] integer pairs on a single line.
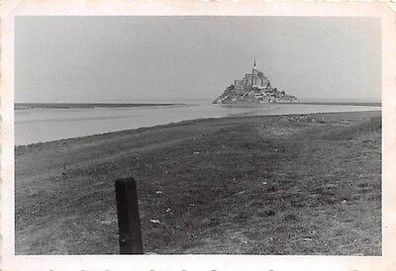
[[45, 124]]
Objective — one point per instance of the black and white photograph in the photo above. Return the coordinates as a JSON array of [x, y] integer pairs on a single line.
[[198, 135]]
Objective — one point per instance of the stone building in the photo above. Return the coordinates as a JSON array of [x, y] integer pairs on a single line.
[[256, 79], [253, 88]]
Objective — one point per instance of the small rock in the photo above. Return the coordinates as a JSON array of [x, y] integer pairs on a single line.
[[159, 192], [155, 221], [196, 153], [105, 222], [264, 182]]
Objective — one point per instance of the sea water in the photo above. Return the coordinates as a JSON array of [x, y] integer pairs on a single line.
[[33, 125]]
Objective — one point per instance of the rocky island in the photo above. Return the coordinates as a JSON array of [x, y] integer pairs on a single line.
[[253, 88]]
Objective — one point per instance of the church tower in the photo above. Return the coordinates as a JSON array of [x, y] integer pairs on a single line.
[[254, 73], [254, 70]]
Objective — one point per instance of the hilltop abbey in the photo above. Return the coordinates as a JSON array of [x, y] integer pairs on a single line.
[[253, 88], [256, 79]]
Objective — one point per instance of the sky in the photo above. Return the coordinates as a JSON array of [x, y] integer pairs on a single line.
[[132, 59]]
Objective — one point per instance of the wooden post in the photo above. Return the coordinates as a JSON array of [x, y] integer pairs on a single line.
[[130, 237]]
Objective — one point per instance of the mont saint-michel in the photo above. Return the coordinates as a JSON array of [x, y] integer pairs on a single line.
[[113, 145], [254, 87]]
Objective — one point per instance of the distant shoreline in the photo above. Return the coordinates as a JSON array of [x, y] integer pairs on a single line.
[[308, 103], [86, 105], [19, 106], [171, 124], [344, 103]]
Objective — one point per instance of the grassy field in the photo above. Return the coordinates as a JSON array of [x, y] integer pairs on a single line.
[[302, 184]]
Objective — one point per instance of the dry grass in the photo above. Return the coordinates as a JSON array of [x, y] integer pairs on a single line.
[[259, 185]]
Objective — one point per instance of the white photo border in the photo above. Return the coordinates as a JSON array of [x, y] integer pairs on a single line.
[[9, 9]]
